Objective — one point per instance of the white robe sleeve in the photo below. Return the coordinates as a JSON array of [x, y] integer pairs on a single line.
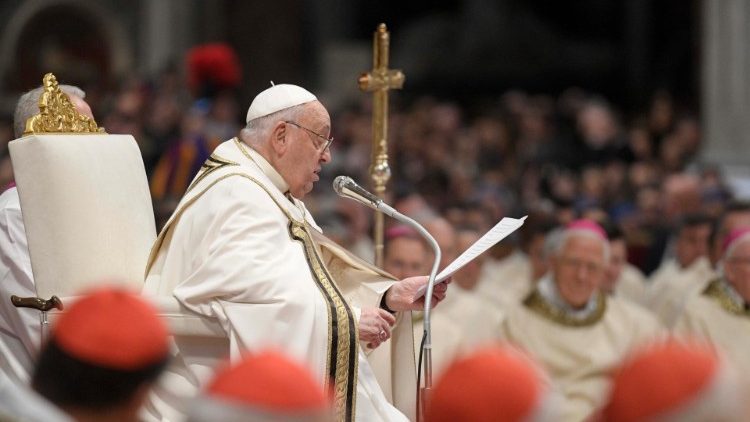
[[19, 327]]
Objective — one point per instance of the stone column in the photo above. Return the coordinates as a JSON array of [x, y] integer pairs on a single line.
[[166, 33], [726, 83]]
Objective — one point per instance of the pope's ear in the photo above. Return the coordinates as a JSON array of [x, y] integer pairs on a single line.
[[279, 140]]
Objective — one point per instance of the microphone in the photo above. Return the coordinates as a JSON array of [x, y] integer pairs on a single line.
[[345, 187]]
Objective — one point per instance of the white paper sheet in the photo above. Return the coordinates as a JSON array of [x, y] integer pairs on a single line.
[[505, 227]]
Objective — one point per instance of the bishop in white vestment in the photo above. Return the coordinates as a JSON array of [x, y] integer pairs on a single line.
[[20, 328], [721, 314], [242, 249], [577, 333], [679, 279]]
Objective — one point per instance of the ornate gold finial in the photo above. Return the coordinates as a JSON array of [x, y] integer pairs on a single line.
[[57, 113]]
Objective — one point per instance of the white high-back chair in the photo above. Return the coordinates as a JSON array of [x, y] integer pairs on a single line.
[[89, 219]]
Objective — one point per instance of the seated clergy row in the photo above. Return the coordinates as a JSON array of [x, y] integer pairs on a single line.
[[575, 321], [90, 372]]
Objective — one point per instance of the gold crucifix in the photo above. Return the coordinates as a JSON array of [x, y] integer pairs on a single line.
[[378, 81]]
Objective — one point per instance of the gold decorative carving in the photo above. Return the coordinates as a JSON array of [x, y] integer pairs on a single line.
[[536, 303], [379, 81], [57, 113], [716, 290], [342, 370]]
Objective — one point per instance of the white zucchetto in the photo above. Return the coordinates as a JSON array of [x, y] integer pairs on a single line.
[[277, 98]]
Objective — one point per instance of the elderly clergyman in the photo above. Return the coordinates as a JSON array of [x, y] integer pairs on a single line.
[[20, 330], [242, 248], [721, 313], [574, 330]]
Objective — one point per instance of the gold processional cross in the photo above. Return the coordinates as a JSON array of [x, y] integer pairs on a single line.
[[379, 81]]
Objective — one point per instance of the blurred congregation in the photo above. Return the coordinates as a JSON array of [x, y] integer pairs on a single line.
[[625, 296]]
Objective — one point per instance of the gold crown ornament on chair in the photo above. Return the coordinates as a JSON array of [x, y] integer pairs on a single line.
[[57, 113]]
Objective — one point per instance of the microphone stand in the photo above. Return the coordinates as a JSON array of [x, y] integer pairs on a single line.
[[346, 187], [423, 392]]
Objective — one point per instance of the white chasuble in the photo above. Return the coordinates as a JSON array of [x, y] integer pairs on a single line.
[[578, 353], [241, 252], [719, 317], [462, 321], [672, 287], [631, 285], [505, 281]]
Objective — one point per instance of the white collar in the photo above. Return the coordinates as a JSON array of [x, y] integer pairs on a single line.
[[273, 175], [548, 290]]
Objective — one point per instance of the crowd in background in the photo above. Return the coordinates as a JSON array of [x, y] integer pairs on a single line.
[[552, 157]]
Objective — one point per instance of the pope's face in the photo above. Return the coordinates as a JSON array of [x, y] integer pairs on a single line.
[[579, 269], [305, 157]]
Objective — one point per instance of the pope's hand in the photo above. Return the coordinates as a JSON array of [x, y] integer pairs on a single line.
[[401, 296], [375, 326]]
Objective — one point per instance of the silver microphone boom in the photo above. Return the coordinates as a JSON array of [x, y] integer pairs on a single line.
[[346, 187]]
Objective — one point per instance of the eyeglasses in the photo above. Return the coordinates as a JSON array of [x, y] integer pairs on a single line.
[[740, 260], [327, 141], [577, 263]]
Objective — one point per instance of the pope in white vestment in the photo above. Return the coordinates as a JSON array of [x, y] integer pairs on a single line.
[[575, 332], [241, 249]]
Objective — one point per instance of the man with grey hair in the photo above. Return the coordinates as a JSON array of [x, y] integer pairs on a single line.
[[28, 105], [19, 327], [720, 314], [573, 329], [242, 249]]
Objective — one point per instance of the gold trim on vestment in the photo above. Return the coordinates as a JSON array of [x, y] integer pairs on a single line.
[[343, 370], [537, 304], [213, 163], [717, 292], [57, 113]]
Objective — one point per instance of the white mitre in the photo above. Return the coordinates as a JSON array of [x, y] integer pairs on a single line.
[[277, 98]]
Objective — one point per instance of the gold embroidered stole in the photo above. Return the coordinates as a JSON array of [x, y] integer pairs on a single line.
[[539, 305], [342, 365], [342, 349], [716, 292]]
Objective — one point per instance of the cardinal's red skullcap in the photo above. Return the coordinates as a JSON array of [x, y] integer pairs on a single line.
[[660, 379], [493, 384], [270, 381], [113, 328]]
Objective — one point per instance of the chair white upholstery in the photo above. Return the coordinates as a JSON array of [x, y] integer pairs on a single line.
[[89, 218]]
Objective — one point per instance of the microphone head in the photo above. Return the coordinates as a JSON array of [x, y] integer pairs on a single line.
[[340, 182]]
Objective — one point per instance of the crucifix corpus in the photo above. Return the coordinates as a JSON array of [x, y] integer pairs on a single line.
[[379, 81]]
